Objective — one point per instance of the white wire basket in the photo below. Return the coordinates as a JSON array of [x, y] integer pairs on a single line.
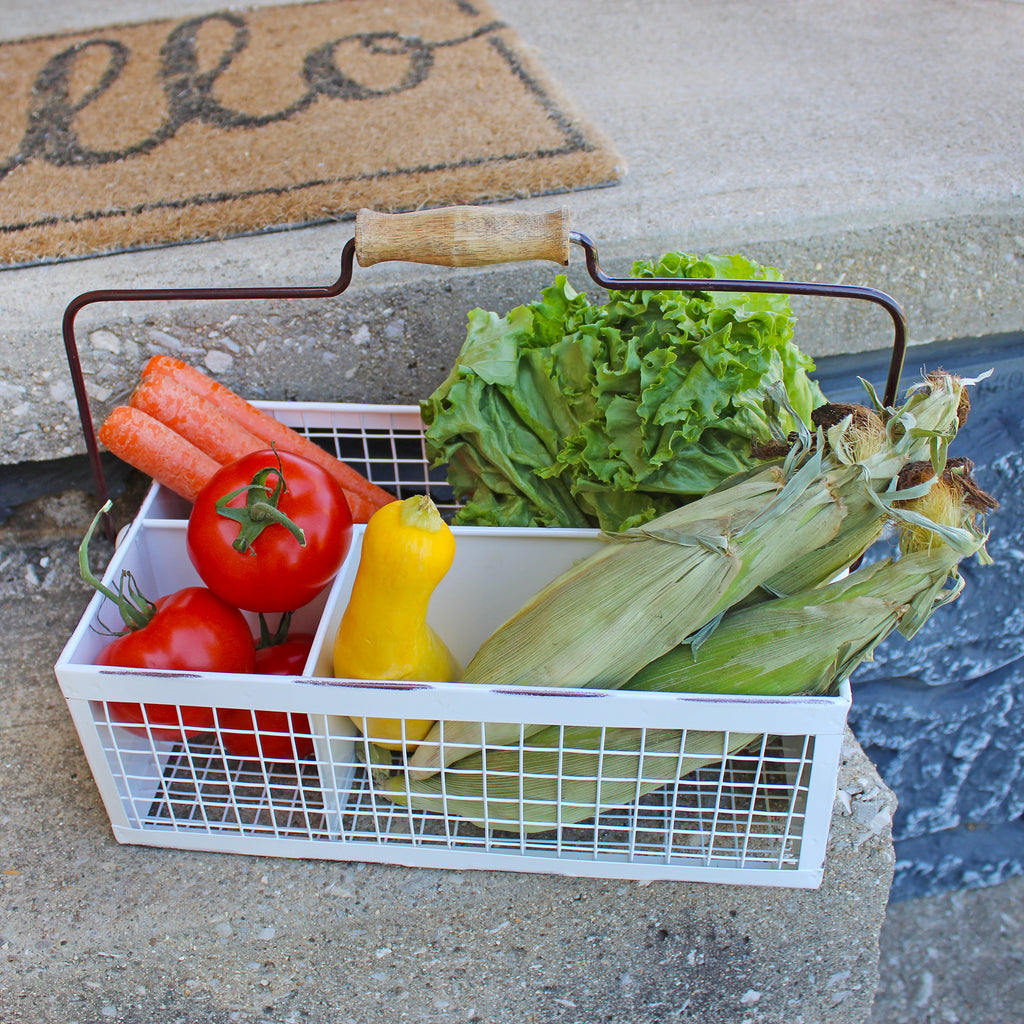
[[617, 783]]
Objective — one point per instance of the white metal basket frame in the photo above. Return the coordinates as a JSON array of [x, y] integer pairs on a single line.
[[756, 815]]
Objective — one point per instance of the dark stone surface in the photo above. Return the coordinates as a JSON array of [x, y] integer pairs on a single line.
[[942, 716], [26, 481]]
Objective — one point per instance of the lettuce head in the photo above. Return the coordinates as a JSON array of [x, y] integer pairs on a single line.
[[565, 413]]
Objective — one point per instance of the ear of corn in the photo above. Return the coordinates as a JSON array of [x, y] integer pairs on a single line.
[[645, 592], [632, 588], [563, 775], [809, 642], [610, 621], [805, 644]]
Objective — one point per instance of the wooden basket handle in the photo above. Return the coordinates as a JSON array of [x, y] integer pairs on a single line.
[[462, 236]]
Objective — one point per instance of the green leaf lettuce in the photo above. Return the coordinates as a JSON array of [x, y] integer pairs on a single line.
[[564, 413]]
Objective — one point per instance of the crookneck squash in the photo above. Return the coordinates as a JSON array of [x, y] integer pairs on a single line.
[[407, 550]]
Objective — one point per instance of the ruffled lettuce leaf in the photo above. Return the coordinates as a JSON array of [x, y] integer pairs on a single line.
[[564, 413]]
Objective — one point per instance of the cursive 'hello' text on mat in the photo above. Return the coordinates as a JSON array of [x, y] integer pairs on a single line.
[[239, 121]]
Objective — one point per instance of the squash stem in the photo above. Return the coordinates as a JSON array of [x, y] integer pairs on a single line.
[[420, 513]]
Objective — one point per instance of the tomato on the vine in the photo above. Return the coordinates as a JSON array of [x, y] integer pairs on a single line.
[[274, 732], [286, 658], [269, 532], [190, 630]]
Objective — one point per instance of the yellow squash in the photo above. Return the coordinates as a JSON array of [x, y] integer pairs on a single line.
[[407, 549]]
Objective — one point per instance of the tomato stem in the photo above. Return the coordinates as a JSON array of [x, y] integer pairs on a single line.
[[260, 509], [135, 608], [268, 639]]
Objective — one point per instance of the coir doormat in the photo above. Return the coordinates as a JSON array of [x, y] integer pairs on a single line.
[[240, 121]]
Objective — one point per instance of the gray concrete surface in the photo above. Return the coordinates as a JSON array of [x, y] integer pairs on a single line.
[[954, 957], [879, 149], [876, 145], [91, 931]]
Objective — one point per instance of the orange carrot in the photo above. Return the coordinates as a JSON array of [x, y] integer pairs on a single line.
[[156, 450], [364, 497], [197, 420]]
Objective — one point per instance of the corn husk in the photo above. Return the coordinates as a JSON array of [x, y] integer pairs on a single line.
[[802, 645], [563, 775], [780, 529], [809, 642]]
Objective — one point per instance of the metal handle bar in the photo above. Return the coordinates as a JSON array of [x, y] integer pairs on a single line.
[[348, 257]]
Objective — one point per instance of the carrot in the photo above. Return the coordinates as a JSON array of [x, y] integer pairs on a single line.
[[364, 497], [196, 419], [156, 450]]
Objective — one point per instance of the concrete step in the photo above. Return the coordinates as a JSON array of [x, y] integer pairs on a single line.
[[95, 931], [834, 148]]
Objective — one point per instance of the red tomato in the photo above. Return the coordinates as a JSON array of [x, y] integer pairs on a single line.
[[264, 567], [271, 738], [238, 735], [284, 659], [192, 630]]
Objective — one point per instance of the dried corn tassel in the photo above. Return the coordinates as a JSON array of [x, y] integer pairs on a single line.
[[951, 499]]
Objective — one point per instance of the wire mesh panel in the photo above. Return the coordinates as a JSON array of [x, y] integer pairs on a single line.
[[740, 805], [384, 443], [609, 783]]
